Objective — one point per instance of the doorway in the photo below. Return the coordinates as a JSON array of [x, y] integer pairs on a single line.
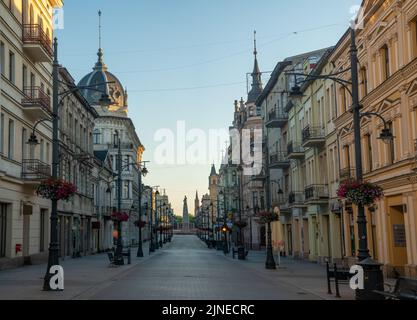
[[398, 244]]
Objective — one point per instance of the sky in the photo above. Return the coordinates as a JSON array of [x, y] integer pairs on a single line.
[[187, 61]]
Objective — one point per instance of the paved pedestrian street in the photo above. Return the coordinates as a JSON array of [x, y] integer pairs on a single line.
[[184, 269]]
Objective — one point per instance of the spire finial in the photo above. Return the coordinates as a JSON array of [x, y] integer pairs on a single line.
[[99, 28], [255, 51]]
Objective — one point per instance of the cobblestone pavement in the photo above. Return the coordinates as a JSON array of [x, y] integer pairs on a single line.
[[183, 270]]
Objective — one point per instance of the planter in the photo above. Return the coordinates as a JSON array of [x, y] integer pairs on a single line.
[[56, 189], [141, 224], [360, 193], [119, 216]]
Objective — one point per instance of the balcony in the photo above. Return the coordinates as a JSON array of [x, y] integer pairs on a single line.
[[296, 199], [36, 43], [276, 119], [313, 136], [279, 160], [347, 174], [316, 193], [281, 201], [289, 106], [33, 171], [295, 151], [36, 103]]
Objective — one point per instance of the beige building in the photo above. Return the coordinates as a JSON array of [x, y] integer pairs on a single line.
[[25, 88]]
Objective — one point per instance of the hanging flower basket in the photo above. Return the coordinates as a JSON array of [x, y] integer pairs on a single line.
[[360, 193], [267, 217], [119, 216], [141, 224], [241, 224], [56, 189]]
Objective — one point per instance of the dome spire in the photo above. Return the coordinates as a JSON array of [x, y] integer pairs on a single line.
[[100, 64]]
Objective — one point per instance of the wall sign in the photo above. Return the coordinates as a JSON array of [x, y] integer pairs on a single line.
[[399, 235]]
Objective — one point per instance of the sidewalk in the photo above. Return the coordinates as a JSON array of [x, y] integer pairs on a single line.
[[82, 277], [306, 276]]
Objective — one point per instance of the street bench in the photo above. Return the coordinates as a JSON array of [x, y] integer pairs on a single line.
[[241, 255], [404, 289], [338, 275], [125, 254]]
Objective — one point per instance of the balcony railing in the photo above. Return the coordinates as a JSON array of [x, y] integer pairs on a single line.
[[35, 38], [277, 119], [313, 136], [35, 170], [295, 150], [296, 198], [347, 174], [316, 192], [35, 98], [279, 160]]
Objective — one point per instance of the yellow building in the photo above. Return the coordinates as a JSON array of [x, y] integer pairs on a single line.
[[387, 51]]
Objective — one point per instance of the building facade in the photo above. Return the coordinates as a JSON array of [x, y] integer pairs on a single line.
[[25, 88]]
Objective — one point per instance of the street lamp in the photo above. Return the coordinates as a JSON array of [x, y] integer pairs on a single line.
[[156, 220], [140, 172], [224, 228]]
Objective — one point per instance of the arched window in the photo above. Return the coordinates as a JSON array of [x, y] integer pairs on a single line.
[[96, 136]]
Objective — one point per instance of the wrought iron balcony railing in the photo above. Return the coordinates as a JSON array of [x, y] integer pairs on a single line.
[[33, 34], [316, 192], [35, 170], [277, 119], [295, 150], [296, 198], [279, 160], [35, 97], [313, 136]]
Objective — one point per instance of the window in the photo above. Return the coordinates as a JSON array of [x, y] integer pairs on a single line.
[[42, 151], [47, 153], [343, 99], [2, 133], [369, 151], [391, 146], [42, 221], [96, 136], [364, 83], [126, 190], [10, 151], [385, 62], [3, 229], [24, 77], [24, 144], [12, 67], [2, 59]]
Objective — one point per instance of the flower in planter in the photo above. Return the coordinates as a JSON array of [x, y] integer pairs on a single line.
[[141, 224], [120, 216], [360, 193], [56, 189], [267, 217]]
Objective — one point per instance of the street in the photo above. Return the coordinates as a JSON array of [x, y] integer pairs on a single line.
[[183, 270]]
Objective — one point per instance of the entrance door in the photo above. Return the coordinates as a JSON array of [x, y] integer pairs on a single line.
[[263, 236], [306, 239], [3, 229], [289, 239], [398, 240]]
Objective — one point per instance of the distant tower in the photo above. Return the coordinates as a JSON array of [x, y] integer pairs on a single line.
[[196, 204], [185, 218], [213, 181]]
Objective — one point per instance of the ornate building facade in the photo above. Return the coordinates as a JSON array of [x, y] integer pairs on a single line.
[[25, 88]]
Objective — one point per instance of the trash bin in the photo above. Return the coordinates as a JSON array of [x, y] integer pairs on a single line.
[[241, 253]]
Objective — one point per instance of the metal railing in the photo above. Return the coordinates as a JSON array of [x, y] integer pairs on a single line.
[[294, 147], [33, 169], [296, 197], [278, 157], [35, 96], [277, 115], [316, 192], [312, 132], [34, 34]]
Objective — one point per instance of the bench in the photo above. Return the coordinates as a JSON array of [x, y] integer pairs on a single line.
[[337, 274], [111, 256], [404, 289], [235, 251]]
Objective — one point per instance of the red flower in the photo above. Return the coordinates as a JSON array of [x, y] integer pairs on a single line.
[[120, 216], [56, 189]]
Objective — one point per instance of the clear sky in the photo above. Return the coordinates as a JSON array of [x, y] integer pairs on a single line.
[[186, 60]]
